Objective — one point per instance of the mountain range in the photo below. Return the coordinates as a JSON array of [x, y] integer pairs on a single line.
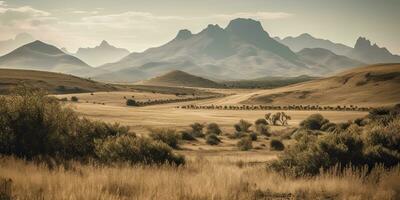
[[242, 50], [102, 54]]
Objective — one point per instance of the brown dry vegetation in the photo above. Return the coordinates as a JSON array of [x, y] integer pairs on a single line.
[[200, 178], [49, 81], [374, 85]]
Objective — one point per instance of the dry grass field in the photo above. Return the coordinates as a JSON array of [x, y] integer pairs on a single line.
[[202, 178]]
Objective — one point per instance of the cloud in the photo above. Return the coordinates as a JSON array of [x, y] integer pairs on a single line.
[[255, 15], [25, 16], [85, 12]]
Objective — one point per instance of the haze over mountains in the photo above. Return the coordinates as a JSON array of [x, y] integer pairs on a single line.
[[180, 78], [102, 54], [242, 50], [305, 40], [9, 45], [365, 51], [38, 55]]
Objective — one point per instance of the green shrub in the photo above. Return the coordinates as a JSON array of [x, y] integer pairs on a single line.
[[245, 144], [168, 136], [329, 127], [136, 150], [376, 143], [276, 145], [212, 139], [197, 129], [33, 124], [261, 121], [187, 136], [253, 136], [263, 129], [242, 126], [74, 99], [213, 128], [131, 102], [314, 122]]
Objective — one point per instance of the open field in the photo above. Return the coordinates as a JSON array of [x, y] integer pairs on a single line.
[[168, 115]]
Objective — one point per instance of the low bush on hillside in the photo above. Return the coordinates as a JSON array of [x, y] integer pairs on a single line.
[[263, 129], [131, 102], [253, 136], [168, 136], [375, 143], [276, 145], [212, 139], [136, 150], [33, 125], [314, 122], [213, 128], [185, 135], [245, 144], [74, 99], [197, 129]]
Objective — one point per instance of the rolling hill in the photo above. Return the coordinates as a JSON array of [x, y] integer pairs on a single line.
[[102, 54], [183, 79], [38, 55], [373, 85], [55, 83], [267, 82]]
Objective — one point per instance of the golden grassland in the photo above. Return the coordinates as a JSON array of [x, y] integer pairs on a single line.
[[201, 178]]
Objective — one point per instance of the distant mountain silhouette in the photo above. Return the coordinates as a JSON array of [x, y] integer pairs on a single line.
[[366, 52], [243, 50], [327, 60], [102, 54], [7, 46], [305, 40], [180, 78], [38, 55]]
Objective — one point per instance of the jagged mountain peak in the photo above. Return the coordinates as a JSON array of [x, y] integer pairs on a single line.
[[241, 24], [42, 47], [362, 42], [104, 43], [183, 34]]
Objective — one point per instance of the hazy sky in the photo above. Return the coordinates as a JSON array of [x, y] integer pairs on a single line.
[[140, 24]]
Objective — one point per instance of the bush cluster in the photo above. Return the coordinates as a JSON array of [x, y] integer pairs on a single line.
[[376, 142], [168, 136], [33, 125]]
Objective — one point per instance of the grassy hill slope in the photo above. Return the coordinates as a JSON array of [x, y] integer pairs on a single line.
[[372, 85], [52, 82], [180, 78]]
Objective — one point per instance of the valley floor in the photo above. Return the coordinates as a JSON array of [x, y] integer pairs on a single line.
[[211, 172]]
